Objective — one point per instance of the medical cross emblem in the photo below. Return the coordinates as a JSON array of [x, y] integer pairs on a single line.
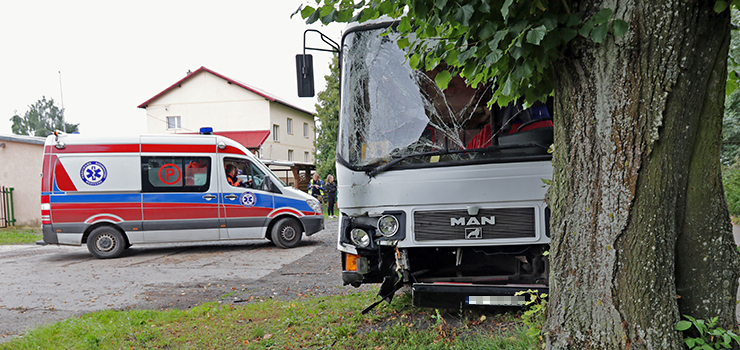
[[93, 173], [248, 199]]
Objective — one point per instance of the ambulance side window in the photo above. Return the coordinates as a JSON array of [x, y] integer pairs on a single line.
[[175, 174]]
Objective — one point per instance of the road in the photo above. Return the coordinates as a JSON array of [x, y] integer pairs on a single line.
[[44, 284]]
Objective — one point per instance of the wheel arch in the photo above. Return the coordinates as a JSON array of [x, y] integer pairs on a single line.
[[277, 218], [115, 226]]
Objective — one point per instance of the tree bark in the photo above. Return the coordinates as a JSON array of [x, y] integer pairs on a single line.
[[640, 227]]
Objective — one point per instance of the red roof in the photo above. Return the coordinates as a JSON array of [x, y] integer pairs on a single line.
[[249, 139], [264, 94]]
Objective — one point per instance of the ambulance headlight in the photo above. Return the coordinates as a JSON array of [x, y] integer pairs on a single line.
[[315, 205], [388, 225], [359, 237]]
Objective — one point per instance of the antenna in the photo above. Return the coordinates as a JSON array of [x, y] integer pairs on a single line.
[[61, 93]]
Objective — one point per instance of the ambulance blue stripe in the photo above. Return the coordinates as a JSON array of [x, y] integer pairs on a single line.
[[301, 205]]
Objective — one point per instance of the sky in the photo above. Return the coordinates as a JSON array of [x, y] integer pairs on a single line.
[[102, 59]]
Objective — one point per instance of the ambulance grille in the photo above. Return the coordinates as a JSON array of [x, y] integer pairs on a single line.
[[436, 225]]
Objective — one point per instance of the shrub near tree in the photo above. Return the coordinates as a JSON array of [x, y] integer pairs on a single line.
[[640, 227]]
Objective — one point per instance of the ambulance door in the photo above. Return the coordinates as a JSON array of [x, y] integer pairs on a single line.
[[180, 198], [246, 203]]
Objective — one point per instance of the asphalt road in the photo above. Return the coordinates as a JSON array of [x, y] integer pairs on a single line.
[[44, 284]]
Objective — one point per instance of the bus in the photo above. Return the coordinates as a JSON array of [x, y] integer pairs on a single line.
[[437, 189]]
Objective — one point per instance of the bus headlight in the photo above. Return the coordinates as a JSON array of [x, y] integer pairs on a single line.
[[315, 205], [388, 225], [359, 237]]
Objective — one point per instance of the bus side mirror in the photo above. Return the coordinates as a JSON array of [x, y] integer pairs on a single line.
[[304, 71]]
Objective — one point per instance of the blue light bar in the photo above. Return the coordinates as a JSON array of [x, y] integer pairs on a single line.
[[207, 130]]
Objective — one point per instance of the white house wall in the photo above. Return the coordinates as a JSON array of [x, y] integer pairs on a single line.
[[208, 100], [21, 170], [279, 115]]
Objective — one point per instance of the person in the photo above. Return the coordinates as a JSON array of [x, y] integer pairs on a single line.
[[331, 195], [231, 176], [316, 187]]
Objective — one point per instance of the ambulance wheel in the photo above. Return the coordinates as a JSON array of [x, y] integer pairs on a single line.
[[286, 233], [106, 242]]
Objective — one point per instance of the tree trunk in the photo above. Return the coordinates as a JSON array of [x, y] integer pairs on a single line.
[[640, 227]]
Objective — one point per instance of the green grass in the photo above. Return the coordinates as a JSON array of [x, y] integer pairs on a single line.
[[13, 235], [309, 323]]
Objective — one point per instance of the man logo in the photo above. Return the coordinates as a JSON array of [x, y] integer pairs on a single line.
[[474, 233], [473, 221]]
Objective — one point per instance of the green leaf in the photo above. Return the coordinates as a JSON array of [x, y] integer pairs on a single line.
[[493, 57], [326, 9], [567, 34], [414, 61], [573, 20], [442, 79], [720, 6], [405, 25], [620, 27], [599, 33], [683, 325], [505, 9], [506, 91], [463, 14], [484, 7], [403, 43], [602, 16], [465, 55], [487, 30], [344, 15], [586, 29], [385, 7], [440, 4], [534, 36], [307, 11], [331, 17], [690, 342]]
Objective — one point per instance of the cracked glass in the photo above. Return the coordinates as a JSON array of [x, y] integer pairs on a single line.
[[391, 114]]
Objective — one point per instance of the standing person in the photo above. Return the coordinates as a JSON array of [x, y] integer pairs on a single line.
[[316, 187], [331, 195]]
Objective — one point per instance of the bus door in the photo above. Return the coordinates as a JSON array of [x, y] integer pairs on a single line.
[[246, 202]]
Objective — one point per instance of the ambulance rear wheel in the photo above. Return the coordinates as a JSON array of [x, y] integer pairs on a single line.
[[286, 233], [105, 242]]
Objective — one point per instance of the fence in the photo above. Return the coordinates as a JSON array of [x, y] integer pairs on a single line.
[[7, 212]]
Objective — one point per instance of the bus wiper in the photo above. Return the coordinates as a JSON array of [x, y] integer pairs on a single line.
[[382, 168]]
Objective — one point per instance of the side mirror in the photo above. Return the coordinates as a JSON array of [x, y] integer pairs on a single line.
[[304, 71]]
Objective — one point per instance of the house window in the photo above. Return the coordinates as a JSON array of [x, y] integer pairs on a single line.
[[305, 157], [290, 126], [275, 133], [290, 155], [173, 123], [305, 130]]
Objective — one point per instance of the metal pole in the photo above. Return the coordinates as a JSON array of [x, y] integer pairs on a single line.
[[12, 210], [61, 93]]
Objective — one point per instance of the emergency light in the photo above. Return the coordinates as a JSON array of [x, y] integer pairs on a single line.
[[206, 130]]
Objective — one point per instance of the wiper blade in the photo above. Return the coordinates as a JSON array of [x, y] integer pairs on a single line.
[[382, 168]]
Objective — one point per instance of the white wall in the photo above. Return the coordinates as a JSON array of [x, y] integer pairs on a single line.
[[21, 169]]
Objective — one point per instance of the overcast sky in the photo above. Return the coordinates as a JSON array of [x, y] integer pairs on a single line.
[[114, 56]]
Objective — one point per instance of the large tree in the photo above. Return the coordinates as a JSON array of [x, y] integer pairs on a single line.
[[640, 227], [327, 110], [41, 119]]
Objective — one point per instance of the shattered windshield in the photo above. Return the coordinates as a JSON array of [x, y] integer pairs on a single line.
[[391, 113]]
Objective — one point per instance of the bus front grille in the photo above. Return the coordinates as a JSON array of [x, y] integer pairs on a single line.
[[436, 225]]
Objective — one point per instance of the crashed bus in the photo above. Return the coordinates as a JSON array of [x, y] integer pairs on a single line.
[[436, 190]]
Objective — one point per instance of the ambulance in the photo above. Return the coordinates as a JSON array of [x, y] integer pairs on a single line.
[[112, 192]]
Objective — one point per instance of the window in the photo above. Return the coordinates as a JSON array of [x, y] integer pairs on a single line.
[[290, 126], [248, 174], [173, 123], [305, 157], [290, 155], [175, 174], [305, 130], [275, 133]]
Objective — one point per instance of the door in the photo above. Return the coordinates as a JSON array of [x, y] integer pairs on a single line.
[[245, 197]]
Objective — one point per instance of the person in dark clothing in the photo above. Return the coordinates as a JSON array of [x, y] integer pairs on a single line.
[[231, 176], [330, 190]]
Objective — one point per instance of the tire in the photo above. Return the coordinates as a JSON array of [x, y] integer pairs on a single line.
[[106, 242], [286, 233]]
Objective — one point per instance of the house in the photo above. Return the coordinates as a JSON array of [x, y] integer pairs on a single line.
[[271, 128], [22, 157]]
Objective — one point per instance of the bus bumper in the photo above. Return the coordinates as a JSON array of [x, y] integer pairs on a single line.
[[458, 295]]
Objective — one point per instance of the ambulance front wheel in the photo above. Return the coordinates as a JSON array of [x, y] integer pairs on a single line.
[[105, 242], [286, 233]]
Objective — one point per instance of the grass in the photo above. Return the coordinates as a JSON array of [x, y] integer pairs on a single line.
[[309, 323], [19, 235]]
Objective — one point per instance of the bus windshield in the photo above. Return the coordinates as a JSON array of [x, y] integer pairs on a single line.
[[392, 115]]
